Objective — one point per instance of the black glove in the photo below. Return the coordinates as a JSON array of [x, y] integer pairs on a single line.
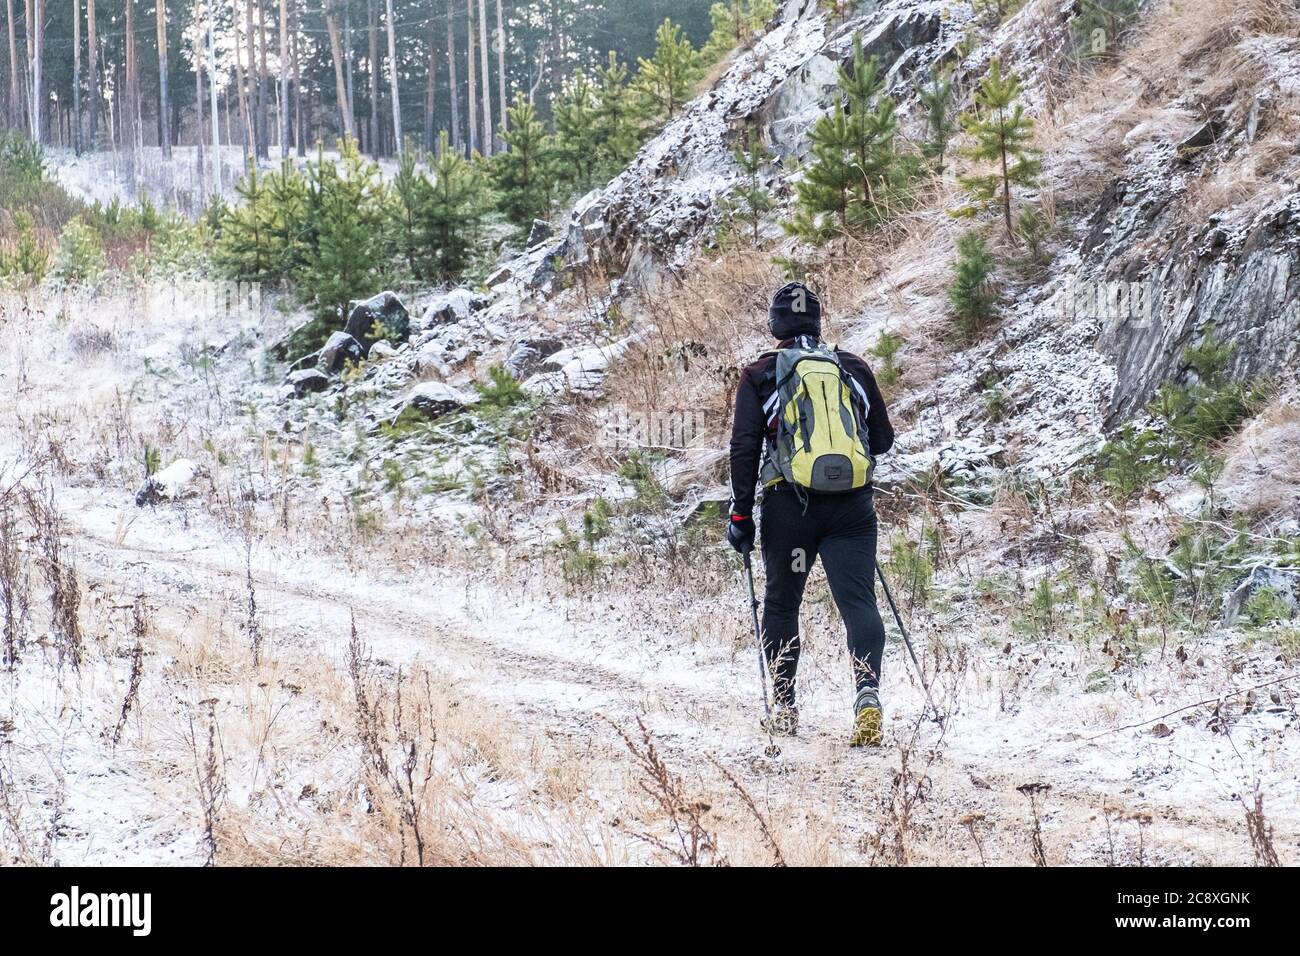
[[740, 533]]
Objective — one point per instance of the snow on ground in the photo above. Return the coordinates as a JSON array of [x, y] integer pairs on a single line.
[[562, 665]]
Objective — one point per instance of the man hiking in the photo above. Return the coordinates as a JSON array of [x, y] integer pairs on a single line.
[[811, 415]]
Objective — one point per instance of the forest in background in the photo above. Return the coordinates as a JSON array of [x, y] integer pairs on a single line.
[[86, 73]]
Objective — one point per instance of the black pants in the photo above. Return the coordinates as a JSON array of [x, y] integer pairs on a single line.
[[842, 530]]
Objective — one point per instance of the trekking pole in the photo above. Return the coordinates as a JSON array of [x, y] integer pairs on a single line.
[[908, 641], [772, 750]]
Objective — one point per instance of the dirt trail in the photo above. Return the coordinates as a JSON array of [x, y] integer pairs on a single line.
[[555, 674]]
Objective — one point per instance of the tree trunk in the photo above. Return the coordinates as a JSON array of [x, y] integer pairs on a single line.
[[299, 126], [372, 36], [430, 88], [392, 79], [164, 98], [128, 116], [40, 131], [263, 84], [241, 99], [340, 87], [92, 48], [502, 102], [453, 86], [29, 44], [485, 64], [15, 93], [473, 91], [349, 61], [284, 79], [212, 103], [76, 76], [250, 41], [200, 166]]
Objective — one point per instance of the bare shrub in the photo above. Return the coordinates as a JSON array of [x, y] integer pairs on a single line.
[[60, 576], [14, 587], [1260, 831]]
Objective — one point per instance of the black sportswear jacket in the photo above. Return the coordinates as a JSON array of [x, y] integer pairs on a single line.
[[749, 430]]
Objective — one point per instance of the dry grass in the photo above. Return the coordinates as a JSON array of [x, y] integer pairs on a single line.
[[1259, 478], [1187, 60]]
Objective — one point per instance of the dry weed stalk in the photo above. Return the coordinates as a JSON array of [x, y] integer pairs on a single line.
[[15, 587], [139, 630], [409, 781], [210, 781], [696, 844], [1260, 831], [764, 822], [60, 576], [908, 789], [1032, 790]]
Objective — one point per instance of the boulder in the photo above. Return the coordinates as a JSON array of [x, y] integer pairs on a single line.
[[381, 351], [528, 355], [279, 349], [1286, 584], [338, 350], [540, 232], [434, 399], [170, 484], [307, 380], [385, 308], [454, 305]]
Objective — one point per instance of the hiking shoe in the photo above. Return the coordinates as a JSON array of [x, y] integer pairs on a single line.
[[784, 721], [868, 720]]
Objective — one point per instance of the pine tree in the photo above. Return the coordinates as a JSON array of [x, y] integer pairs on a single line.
[[407, 194], [736, 23], [292, 236], [350, 205], [524, 175], [247, 249], [973, 298], [1000, 133], [751, 200], [452, 208], [856, 176], [1100, 24], [616, 118], [577, 132], [936, 99], [666, 81]]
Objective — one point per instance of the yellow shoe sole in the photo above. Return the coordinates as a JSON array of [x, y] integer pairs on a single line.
[[868, 728]]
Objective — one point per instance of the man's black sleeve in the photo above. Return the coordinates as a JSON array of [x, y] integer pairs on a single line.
[[880, 433], [747, 433]]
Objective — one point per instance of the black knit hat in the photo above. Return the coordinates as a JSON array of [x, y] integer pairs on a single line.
[[795, 310]]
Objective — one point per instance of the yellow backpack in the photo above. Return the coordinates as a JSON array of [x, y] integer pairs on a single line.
[[820, 413]]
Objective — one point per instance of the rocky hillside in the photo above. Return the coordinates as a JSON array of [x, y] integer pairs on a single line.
[[471, 539]]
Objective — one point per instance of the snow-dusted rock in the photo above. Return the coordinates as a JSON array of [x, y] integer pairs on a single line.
[[338, 350], [540, 232], [454, 305], [385, 308], [381, 351], [170, 484], [1285, 584], [434, 399], [304, 381], [527, 356]]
